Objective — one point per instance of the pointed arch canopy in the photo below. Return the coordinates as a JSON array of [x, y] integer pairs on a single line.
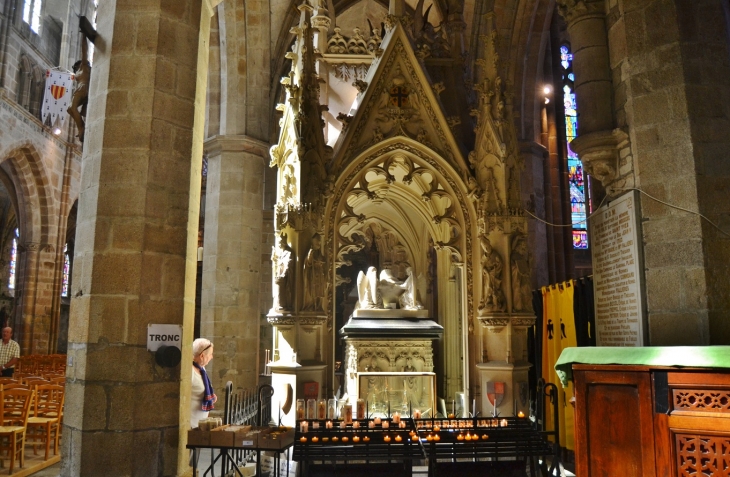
[[410, 191]]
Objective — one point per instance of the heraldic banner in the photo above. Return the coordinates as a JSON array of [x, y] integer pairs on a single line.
[[57, 96]]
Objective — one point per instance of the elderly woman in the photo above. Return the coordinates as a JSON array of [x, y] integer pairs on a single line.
[[203, 396]]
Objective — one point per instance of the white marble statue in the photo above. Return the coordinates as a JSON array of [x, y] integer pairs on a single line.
[[283, 262], [390, 288], [388, 291], [367, 289]]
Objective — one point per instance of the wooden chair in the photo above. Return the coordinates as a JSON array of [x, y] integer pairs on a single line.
[[12, 431], [47, 416], [35, 381]]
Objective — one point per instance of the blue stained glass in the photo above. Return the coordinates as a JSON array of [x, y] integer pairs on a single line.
[[576, 179]]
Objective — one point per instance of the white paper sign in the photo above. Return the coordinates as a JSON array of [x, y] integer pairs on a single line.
[[617, 278], [163, 335]]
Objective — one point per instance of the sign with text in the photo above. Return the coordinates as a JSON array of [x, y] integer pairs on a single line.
[[163, 335], [617, 277]]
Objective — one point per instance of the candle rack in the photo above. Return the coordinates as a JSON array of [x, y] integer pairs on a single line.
[[449, 445]]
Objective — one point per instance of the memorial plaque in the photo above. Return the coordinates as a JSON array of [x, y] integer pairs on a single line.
[[617, 277]]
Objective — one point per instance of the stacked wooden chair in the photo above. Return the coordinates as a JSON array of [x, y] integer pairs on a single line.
[[32, 408], [44, 425], [16, 404]]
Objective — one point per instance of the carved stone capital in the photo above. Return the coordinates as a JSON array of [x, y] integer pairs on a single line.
[[523, 321], [217, 145], [494, 324], [572, 10], [280, 320], [311, 320], [599, 152]]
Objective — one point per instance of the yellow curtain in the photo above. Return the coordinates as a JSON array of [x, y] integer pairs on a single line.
[[558, 332]]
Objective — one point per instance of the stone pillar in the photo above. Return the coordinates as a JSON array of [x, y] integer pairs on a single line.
[[598, 142], [533, 194], [232, 257], [670, 97], [135, 259]]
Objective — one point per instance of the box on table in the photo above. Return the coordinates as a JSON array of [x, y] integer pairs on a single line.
[[228, 435], [197, 437], [250, 437], [221, 437], [276, 438]]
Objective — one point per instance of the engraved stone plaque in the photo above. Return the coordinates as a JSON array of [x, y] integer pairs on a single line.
[[617, 274]]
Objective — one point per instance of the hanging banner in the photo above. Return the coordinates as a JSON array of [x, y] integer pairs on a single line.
[[57, 97]]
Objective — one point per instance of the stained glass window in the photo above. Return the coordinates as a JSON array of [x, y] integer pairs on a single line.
[[13, 261], [576, 179], [66, 268]]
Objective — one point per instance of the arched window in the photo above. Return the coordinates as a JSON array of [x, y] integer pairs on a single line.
[[576, 179], [32, 14], [25, 79], [66, 270], [13, 262], [37, 85]]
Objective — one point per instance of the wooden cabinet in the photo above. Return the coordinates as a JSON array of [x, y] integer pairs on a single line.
[[646, 421]]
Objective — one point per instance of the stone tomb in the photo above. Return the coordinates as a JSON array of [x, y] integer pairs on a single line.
[[380, 342]]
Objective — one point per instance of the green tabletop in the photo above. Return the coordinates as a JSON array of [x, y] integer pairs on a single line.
[[685, 356]]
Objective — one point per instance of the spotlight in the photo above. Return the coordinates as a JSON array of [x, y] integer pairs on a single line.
[[56, 131], [547, 100], [547, 89]]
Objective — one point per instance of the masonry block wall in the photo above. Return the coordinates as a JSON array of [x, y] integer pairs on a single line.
[[668, 63]]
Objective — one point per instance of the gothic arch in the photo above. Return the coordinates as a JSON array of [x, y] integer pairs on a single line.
[[443, 206], [24, 165]]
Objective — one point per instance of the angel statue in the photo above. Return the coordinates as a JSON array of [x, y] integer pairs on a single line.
[[367, 289]]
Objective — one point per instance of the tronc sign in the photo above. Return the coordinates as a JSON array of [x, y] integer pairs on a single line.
[[163, 335]]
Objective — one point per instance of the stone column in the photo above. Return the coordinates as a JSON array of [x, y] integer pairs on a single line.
[[533, 194], [232, 257], [136, 237], [598, 142]]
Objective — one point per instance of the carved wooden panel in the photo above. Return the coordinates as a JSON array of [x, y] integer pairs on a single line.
[[701, 400], [700, 456]]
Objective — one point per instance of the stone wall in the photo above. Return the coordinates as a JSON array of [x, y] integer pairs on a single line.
[[668, 65]]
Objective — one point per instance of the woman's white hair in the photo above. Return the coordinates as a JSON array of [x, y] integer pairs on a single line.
[[200, 345]]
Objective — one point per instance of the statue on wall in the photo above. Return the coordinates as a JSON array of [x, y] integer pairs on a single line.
[[520, 271], [80, 98], [283, 261], [492, 266], [314, 276]]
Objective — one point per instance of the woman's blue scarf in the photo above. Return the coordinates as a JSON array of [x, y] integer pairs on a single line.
[[208, 396]]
